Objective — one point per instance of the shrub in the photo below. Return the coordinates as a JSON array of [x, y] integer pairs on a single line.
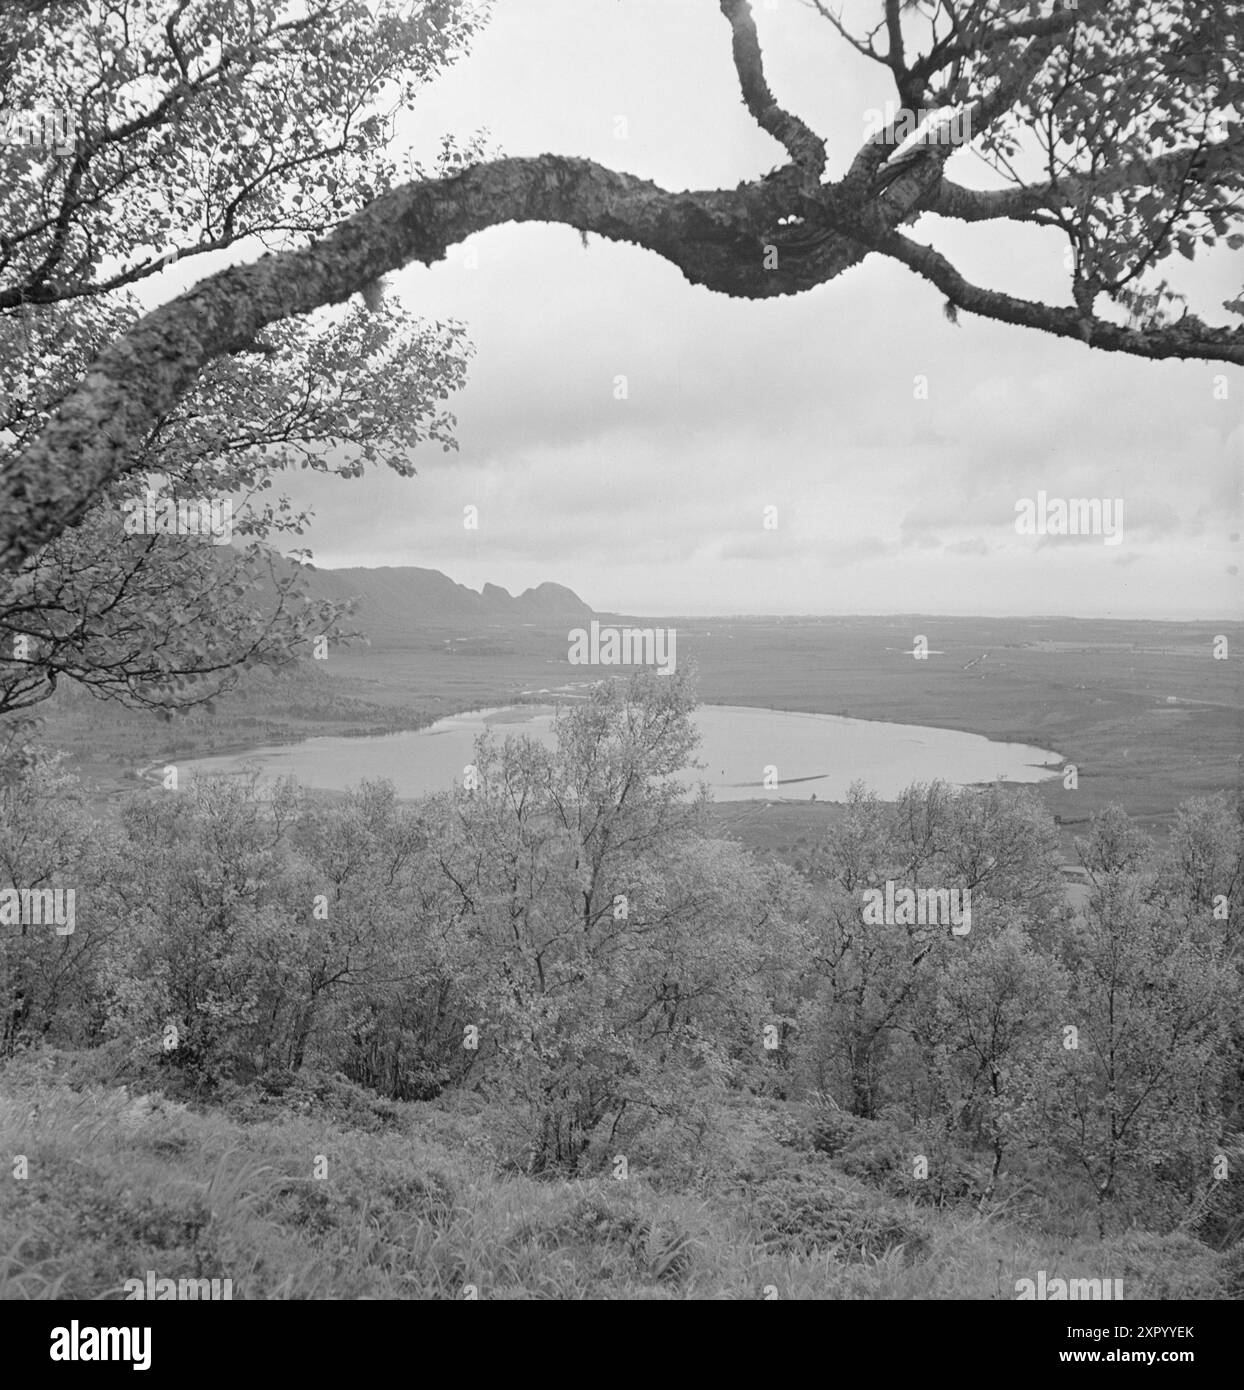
[[800, 1213], [1163, 1266], [1233, 1272]]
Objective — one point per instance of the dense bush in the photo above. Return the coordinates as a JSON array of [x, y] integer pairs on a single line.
[[562, 938], [796, 1211]]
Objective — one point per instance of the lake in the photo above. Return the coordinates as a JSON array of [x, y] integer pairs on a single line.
[[812, 753]]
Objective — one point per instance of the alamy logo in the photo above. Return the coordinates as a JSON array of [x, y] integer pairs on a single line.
[[1077, 516], [1055, 1290], [164, 1290], [940, 125], [75, 1343], [628, 646], [169, 517], [26, 907], [911, 907], [54, 130]]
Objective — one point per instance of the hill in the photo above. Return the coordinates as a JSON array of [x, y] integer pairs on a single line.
[[395, 604], [409, 1210]]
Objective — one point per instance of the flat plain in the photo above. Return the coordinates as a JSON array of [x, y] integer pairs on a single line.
[[1145, 711]]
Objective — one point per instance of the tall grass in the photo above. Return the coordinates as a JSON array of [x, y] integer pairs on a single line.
[[119, 1184]]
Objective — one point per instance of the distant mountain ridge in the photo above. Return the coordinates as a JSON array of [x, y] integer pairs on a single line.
[[395, 601]]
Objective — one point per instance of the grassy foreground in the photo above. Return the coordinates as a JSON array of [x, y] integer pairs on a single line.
[[414, 1202]]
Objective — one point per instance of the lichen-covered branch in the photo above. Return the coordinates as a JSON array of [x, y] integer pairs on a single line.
[[805, 147], [782, 234]]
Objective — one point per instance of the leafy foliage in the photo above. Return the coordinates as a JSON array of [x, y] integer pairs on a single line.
[[301, 104], [560, 938]]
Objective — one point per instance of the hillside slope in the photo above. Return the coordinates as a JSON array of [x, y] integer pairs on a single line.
[[413, 1203], [395, 603]]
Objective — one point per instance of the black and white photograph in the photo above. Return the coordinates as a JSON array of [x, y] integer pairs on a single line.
[[620, 665]]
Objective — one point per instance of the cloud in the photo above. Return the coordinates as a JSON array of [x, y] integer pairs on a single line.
[[653, 502]]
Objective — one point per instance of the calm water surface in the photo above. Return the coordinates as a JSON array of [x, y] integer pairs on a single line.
[[813, 753]]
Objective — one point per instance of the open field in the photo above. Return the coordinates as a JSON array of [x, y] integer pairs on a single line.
[[1099, 693], [1143, 710]]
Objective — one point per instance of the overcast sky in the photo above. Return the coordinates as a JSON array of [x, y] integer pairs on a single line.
[[885, 502]]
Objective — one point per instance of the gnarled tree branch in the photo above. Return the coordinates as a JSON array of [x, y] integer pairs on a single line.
[[806, 148], [1217, 165], [717, 239], [1190, 339], [725, 240]]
